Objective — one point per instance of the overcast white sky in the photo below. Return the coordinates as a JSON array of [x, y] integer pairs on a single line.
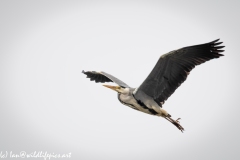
[[47, 104]]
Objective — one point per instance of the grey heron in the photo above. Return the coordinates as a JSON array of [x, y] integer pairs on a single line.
[[170, 71]]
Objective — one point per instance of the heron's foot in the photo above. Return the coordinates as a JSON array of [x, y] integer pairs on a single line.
[[175, 123]]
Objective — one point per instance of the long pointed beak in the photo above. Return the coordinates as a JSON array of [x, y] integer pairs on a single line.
[[111, 87]]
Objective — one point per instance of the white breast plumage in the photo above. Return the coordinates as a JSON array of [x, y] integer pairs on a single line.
[[130, 101]]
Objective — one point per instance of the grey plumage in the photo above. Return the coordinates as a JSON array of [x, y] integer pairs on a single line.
[[104, 77], [170, 71], [173, 68]]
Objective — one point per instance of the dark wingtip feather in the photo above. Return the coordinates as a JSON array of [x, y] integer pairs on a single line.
[[219, 47], [215, 48], [220, 54], [83, 72], [215, 40], [215, 44]]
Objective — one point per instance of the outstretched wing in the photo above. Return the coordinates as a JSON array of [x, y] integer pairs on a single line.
[[172, 69], [103, 77]]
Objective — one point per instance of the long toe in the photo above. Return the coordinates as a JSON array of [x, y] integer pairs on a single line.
[[178, 120]]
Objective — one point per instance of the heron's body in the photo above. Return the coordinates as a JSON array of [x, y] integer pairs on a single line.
[[168, 74], [149, 107]]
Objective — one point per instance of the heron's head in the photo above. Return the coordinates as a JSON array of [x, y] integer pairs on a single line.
[[118, 89]]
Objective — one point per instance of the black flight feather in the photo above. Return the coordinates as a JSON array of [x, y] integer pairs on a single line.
[[104, 77], [173, 68]]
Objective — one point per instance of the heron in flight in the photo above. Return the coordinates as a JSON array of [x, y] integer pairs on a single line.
[[168, 74]]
